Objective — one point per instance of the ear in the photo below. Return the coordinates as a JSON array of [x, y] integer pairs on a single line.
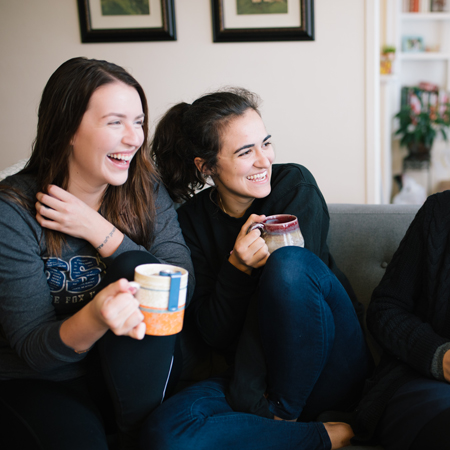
[[200, 164]]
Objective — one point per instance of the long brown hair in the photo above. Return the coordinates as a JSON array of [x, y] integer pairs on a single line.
[[189, 131], [130, 207]]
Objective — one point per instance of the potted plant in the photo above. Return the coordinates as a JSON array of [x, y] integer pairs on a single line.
[[388, 51], [386, 59], [420, 120]]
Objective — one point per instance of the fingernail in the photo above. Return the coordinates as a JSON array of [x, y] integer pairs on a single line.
[[133, 287]]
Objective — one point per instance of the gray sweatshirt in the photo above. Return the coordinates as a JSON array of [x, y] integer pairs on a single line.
[[38, 292]]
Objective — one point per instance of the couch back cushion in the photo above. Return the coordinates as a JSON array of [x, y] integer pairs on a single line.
[[363, 239]]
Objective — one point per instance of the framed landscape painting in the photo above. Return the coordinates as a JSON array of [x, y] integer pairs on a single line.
[[127, 20], [262, 20]]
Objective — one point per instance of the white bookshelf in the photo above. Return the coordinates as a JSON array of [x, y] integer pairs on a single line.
[[411, 68], [434, 30]]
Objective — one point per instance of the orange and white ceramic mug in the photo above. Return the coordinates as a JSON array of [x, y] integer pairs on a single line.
[[162, 297]]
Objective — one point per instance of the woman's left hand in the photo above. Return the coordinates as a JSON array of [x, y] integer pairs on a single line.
[[61, 211], [250, 251]]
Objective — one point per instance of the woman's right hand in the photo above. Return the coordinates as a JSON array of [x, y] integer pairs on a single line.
[[117, 308], [250, 250], [113, 308]]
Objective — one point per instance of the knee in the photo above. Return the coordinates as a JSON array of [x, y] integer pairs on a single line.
[[133, 258], [158, 434], [173, 431], [124, 265], [182, 422], [291, 267], [292, 259]]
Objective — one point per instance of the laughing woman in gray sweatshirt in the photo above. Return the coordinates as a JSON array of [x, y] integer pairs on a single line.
[[75, 363]]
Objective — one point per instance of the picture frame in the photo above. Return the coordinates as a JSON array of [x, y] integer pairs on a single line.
[[413, 44], [254, 21], [153, 21]]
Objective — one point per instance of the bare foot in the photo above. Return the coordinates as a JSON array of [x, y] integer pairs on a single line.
[[339, 433]]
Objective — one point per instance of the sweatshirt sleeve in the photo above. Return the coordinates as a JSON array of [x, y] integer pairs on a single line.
[[169, 245], [27, 316], [397, 313]]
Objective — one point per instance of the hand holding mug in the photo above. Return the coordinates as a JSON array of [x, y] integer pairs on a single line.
[[250, 251], [278, 231], [116, 307]]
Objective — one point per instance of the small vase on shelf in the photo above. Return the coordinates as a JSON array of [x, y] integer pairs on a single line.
[[418, 158]]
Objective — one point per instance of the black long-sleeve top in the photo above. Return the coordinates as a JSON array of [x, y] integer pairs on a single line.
[[223, 293]]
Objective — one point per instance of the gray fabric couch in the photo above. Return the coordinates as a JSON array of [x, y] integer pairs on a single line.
[[362, 240]]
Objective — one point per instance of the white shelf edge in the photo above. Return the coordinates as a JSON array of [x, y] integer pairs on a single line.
[[425, 16], [388, 78], [424, 56]]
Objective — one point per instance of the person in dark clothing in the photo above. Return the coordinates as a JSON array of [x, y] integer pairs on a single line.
[[406, 405], [284, 321], [75, 363]]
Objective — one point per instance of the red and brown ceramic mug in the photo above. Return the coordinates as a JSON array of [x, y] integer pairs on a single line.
[[279, 230]]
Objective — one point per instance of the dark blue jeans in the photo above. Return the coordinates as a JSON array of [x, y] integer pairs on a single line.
[[416, 410], [316, 360], [316, 355]]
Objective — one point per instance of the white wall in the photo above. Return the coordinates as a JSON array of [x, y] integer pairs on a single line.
[[313, 92]]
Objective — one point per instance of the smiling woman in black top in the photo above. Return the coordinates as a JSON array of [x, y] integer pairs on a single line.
[[283, 320]]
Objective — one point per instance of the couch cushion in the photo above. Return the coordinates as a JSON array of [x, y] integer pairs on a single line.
[[363, 239]]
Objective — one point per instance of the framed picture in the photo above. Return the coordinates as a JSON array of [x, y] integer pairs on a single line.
[[262, 20], [127, 20], [412, 44]]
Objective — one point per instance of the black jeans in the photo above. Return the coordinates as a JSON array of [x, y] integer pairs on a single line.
[[126, 380]]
